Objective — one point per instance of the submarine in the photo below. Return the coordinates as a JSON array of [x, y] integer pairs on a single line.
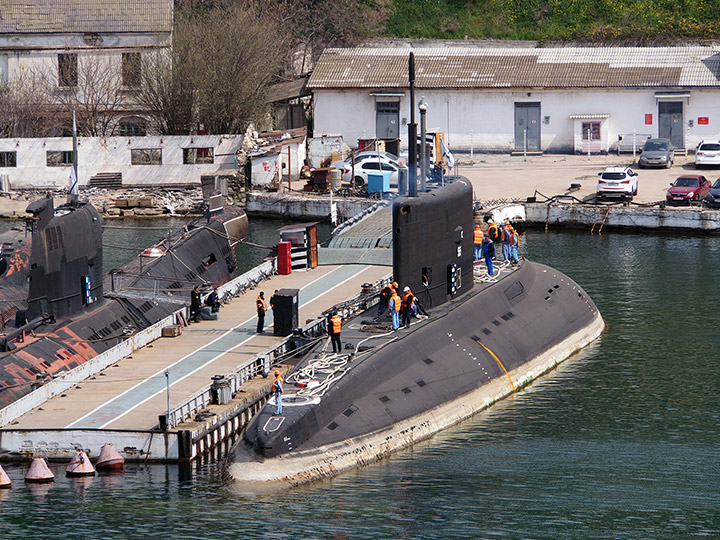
[[58, 310], [388, 389]]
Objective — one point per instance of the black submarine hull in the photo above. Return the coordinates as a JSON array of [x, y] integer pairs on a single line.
[[482, 343], [74, 312]]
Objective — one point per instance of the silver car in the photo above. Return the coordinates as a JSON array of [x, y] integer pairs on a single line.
[[657, 153]]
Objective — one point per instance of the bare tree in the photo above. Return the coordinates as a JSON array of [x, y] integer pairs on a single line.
[[25, 109], [98, 98], [224, 57]]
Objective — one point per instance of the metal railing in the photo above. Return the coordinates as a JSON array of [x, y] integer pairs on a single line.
[[263, 363]]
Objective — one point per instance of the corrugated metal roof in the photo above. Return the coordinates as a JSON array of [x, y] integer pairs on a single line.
[[85, 16], [561, 67]]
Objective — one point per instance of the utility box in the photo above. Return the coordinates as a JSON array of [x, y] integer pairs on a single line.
[[284, 258], [173, 330], [285, 311], [379, 182]]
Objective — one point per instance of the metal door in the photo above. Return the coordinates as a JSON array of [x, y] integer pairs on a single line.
[[527, 127], [670, 122], [387, 119]]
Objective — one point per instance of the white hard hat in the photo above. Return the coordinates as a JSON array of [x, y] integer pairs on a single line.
[[406, 289]]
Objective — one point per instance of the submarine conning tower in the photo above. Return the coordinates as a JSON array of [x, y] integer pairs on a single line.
[[432, 242], [65, 272]]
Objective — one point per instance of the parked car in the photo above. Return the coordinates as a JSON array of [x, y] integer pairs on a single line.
[[713, 196], [366, 163], [707, 153], [617, 182], [688, 188], [657, 153], [388, 156]]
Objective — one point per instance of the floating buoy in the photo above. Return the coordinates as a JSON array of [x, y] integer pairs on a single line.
[[4, 479], [39, 472], [80, 465], [153, 252], [110, 459], [308, 383]]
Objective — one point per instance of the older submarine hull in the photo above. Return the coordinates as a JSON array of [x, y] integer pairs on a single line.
[[391, 389]]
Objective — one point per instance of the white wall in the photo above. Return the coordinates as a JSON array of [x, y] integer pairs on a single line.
[[484, 120], [113, 154]]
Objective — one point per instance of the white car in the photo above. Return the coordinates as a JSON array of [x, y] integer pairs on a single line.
[[367, 164], [707, 153], [617, 182]]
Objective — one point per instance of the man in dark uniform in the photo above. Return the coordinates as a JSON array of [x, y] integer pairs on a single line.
[[261, 309], [195, 304]]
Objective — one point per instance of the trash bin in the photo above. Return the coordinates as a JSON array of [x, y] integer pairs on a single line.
[[220, 390], [285, 311], [284, 260]]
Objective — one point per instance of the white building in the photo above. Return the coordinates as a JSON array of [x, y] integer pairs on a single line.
[[565, 99], [92, 50]]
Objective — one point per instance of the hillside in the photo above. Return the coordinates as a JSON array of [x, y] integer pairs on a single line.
[[603, 21]]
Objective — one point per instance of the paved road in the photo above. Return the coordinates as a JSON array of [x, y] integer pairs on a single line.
[[499, 176]]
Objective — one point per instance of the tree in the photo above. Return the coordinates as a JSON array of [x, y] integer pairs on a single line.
[[224, 57]]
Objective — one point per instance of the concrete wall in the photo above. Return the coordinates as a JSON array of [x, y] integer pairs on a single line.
[[484, 120], [113, 155], [304, 207]]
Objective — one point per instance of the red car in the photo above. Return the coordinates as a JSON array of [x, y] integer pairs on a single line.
[[688, 188]]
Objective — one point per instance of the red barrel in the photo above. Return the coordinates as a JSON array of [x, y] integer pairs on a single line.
[[284, 259]]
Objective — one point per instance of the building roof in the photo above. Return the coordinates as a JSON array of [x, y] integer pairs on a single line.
[[85, 16], [559, 67]]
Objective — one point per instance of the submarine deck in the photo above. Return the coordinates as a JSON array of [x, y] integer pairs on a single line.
[[131, 394]]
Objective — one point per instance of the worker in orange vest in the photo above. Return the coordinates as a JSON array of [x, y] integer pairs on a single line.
[[277, 388], [385, 293], [477, 242], [514, 243], [407, 306], [334, 331], [261, 309], [395, 304]]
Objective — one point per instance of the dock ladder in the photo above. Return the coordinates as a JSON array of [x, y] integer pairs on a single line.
[[597, 218]]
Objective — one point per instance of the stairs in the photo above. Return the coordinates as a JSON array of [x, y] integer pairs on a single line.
[[111, 180]]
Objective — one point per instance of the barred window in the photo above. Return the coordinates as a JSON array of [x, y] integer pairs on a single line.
[[67, 70]]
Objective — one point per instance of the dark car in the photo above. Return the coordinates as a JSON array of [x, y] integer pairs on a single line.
[[657, 153], [688, 188], [713, 196]]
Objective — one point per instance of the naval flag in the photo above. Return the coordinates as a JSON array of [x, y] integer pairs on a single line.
[[447, 154]]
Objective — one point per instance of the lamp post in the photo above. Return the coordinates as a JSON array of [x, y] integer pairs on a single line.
[[423, 147]]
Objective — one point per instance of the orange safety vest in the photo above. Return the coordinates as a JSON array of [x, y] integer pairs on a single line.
[[493, 231], [478, 237], [278, 385], [395, 298], [261, 303], [336, 324], [514, 238], [407, 300]]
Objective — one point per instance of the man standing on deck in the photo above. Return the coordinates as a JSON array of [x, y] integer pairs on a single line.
[[514, 243], [277, 388], [335, 329], [406, 306], [395, 310], [477, 242], [195, 303], [261, 309], [494, 235], [489, 252], [385, 293], [506, 235]]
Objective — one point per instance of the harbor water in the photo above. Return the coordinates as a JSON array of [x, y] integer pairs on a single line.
[[619, 442]]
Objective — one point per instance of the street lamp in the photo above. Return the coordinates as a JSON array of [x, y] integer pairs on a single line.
[[423, 158]]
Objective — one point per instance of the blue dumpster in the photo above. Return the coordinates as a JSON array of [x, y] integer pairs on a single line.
[[379, 182]]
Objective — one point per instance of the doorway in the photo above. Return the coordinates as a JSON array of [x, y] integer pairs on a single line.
[[670, 122], [527, 127]]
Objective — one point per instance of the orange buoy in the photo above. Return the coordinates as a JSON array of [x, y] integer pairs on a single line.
[[80, 465], [39, 472], [110, 459], [4, 479]]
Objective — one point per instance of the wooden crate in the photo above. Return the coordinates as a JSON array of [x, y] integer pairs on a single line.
[[173, 330]]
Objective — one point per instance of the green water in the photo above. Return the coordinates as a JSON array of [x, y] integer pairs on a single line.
[[617, 443]]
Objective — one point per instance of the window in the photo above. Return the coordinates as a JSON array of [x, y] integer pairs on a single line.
[[131, 69], [591, 131], [146, 156], [192, 156], [8, 159], [131, 129], [67, 70], [59, 158]]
